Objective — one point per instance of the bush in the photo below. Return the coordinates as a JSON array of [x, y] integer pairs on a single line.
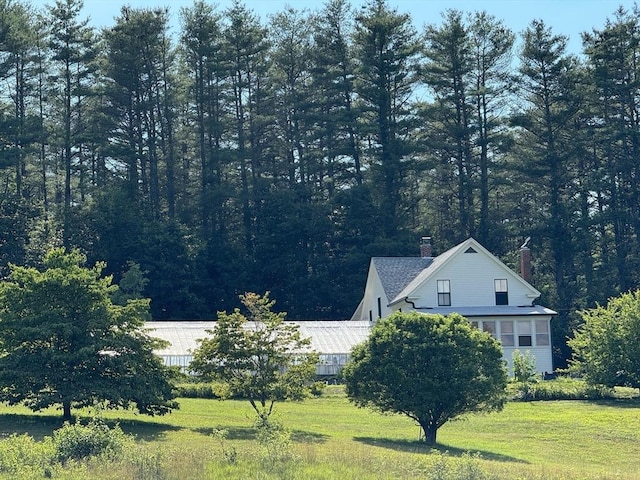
[[21, 454], [75, 442], [561, 388], [202, 390], [317, 389], [524, 367]]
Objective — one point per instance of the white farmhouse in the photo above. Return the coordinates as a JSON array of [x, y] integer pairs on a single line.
[[469, 280]]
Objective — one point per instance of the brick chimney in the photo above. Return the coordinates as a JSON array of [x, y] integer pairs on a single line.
[[425, 247], [525, 261]]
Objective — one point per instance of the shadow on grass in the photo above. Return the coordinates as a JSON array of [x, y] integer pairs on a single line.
[[40, 426], [301, 436], [249, 433], [36, 426], [142, 430], [617, 402], [236, 433], [421, 447]]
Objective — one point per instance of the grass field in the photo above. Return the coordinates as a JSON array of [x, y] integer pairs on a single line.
[[331, 439]]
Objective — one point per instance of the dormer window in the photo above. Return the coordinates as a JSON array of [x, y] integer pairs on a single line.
[[444, 293], [502, 292]]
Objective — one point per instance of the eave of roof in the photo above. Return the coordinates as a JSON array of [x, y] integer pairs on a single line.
[[491, 311]]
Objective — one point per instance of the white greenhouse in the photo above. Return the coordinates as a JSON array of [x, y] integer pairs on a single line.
[[332, 340]]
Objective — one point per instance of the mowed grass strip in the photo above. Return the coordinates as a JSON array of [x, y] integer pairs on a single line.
[[333, 439]]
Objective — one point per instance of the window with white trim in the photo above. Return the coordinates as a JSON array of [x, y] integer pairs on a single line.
[[444, 293], [502, 292], [489, 327], [524, 333], [542, 333], [507, 336]]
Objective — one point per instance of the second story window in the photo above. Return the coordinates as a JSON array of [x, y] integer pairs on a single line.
[[502, 293], [444, 293]]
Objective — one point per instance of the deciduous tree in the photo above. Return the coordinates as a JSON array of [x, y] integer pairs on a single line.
[[65, 343], [431, 368], [605, 347], [261, 357]]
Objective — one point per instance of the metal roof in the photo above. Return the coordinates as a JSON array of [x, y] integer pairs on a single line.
[[327, 337]]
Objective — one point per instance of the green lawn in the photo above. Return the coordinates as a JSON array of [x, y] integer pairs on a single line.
[[330, 438]]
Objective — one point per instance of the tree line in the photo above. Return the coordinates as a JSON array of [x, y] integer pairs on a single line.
[[280, 154]]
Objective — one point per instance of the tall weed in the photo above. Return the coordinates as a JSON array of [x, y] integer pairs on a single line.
[[276, 453]]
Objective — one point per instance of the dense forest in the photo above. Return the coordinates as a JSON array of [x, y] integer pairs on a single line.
[[248, 154]]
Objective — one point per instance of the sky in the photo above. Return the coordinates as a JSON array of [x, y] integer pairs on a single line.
[[567, 17]]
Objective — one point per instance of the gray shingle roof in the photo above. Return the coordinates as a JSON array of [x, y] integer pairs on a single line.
[[396, 273]]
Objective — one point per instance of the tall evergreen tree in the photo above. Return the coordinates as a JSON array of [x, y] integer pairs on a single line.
[[387, 49], [290, 77], [207, 68], [336, 134], [545, 145], [612, 54], [137, 64], [71, 43], [491, 90], [447, 73], [248, 45]]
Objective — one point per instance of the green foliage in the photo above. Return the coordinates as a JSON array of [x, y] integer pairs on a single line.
[[261, 357], [276, 451], [431, 368], [446, 467], [203, 390], [243, 159], [77, 441], [131, 285], [65, 343], [524, 367], [561, 388], [21, 454], [606, 348]]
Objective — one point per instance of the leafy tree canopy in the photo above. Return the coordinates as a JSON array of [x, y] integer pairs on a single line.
[[605, 347], [431, 368], [260, 356], [65, 343]]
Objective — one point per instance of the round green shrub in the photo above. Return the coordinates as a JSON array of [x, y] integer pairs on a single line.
[[75, 442]]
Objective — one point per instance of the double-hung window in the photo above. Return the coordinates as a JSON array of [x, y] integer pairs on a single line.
[[506, 333], [542, 332], [444, 293], [502, 293]]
